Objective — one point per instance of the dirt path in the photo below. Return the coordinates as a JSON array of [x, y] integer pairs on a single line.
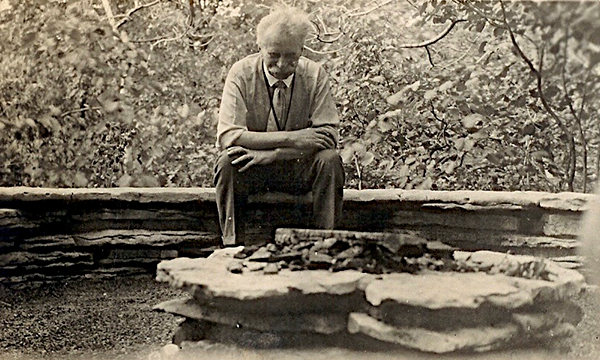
[[112, 319]]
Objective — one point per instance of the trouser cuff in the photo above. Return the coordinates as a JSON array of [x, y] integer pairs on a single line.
[[228, 240]]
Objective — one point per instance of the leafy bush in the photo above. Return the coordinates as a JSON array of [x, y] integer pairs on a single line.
[[471, 117], [433, 94], [83, 105]]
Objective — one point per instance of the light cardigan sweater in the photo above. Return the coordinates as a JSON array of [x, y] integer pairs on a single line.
[[245, 103]]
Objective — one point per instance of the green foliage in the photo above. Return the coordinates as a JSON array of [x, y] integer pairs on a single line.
[[475, 118], [84, 103]]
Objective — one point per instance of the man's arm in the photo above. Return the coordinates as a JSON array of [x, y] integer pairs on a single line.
[[233, 111], [310, 139], [265, 147], [232, 130], [246, 158]]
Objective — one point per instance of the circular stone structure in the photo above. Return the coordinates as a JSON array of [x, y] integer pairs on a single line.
[[502, 300]]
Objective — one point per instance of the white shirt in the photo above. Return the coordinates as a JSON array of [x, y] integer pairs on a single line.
[[245, 100], [272, 79], [272, 124]]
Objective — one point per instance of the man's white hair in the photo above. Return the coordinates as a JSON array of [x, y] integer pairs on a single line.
[[285, 21]]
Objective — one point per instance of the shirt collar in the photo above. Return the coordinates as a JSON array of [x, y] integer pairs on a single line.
[[272, 79]]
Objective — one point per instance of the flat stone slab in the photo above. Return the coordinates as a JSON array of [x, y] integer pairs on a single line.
[[212, 278], [10, 217], [143, 237], [538, 242], [432, 289], [328, 323], [562, 283], [437, 290], [477, 339], [530, 318], [469, 220], [561, 201], [48, 242], [504, 299], [142, 195], [22, 258]]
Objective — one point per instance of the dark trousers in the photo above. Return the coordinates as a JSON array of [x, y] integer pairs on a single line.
[[322, 173]]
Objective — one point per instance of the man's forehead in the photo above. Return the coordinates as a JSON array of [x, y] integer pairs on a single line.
[[278, 43]]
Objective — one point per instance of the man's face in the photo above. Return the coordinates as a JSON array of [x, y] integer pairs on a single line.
[[281, 55]]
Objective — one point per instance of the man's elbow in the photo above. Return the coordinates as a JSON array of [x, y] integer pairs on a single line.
[[228, 138], [332, 133]]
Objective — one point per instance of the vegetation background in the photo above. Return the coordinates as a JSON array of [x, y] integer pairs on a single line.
[[434, 94]]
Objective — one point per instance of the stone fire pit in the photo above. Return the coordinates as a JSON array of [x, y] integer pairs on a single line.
[[370, 290]]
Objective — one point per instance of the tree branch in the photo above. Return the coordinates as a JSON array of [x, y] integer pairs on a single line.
[[365, 12], [321, 22], [518, 48], [358, 172], [412, 4], [87, 108], [545, 104], [322, 32], [583, 144], [424, 44], [320, 35], [338, 36], [490, 19], [576, 117], [429, 56], [132, 11], [109, 13], [444, 122], [465, 53], [160, 39], [177, 37], [325, 52]]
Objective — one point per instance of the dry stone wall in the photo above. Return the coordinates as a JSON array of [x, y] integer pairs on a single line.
[[56, 233]]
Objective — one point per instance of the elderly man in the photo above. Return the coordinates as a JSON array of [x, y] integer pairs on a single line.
[[277, 128]]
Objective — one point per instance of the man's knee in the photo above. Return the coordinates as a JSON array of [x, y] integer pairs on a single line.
[[329, 164], [328, 157], [223, 167]]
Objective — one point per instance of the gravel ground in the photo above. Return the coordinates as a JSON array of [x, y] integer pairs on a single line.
[[93, 318], [112, 319]]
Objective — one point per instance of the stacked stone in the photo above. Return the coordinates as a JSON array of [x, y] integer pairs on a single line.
[[503, 300], [34, 246], [51, 234], [25, 255], [55, 234]]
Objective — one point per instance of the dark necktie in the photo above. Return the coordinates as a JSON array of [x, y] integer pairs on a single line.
[[280, 103]]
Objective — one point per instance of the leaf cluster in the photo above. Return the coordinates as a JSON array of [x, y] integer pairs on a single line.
[[505, 100]]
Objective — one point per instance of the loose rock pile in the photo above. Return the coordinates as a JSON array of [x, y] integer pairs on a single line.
[[374, 253], [317, 287]]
